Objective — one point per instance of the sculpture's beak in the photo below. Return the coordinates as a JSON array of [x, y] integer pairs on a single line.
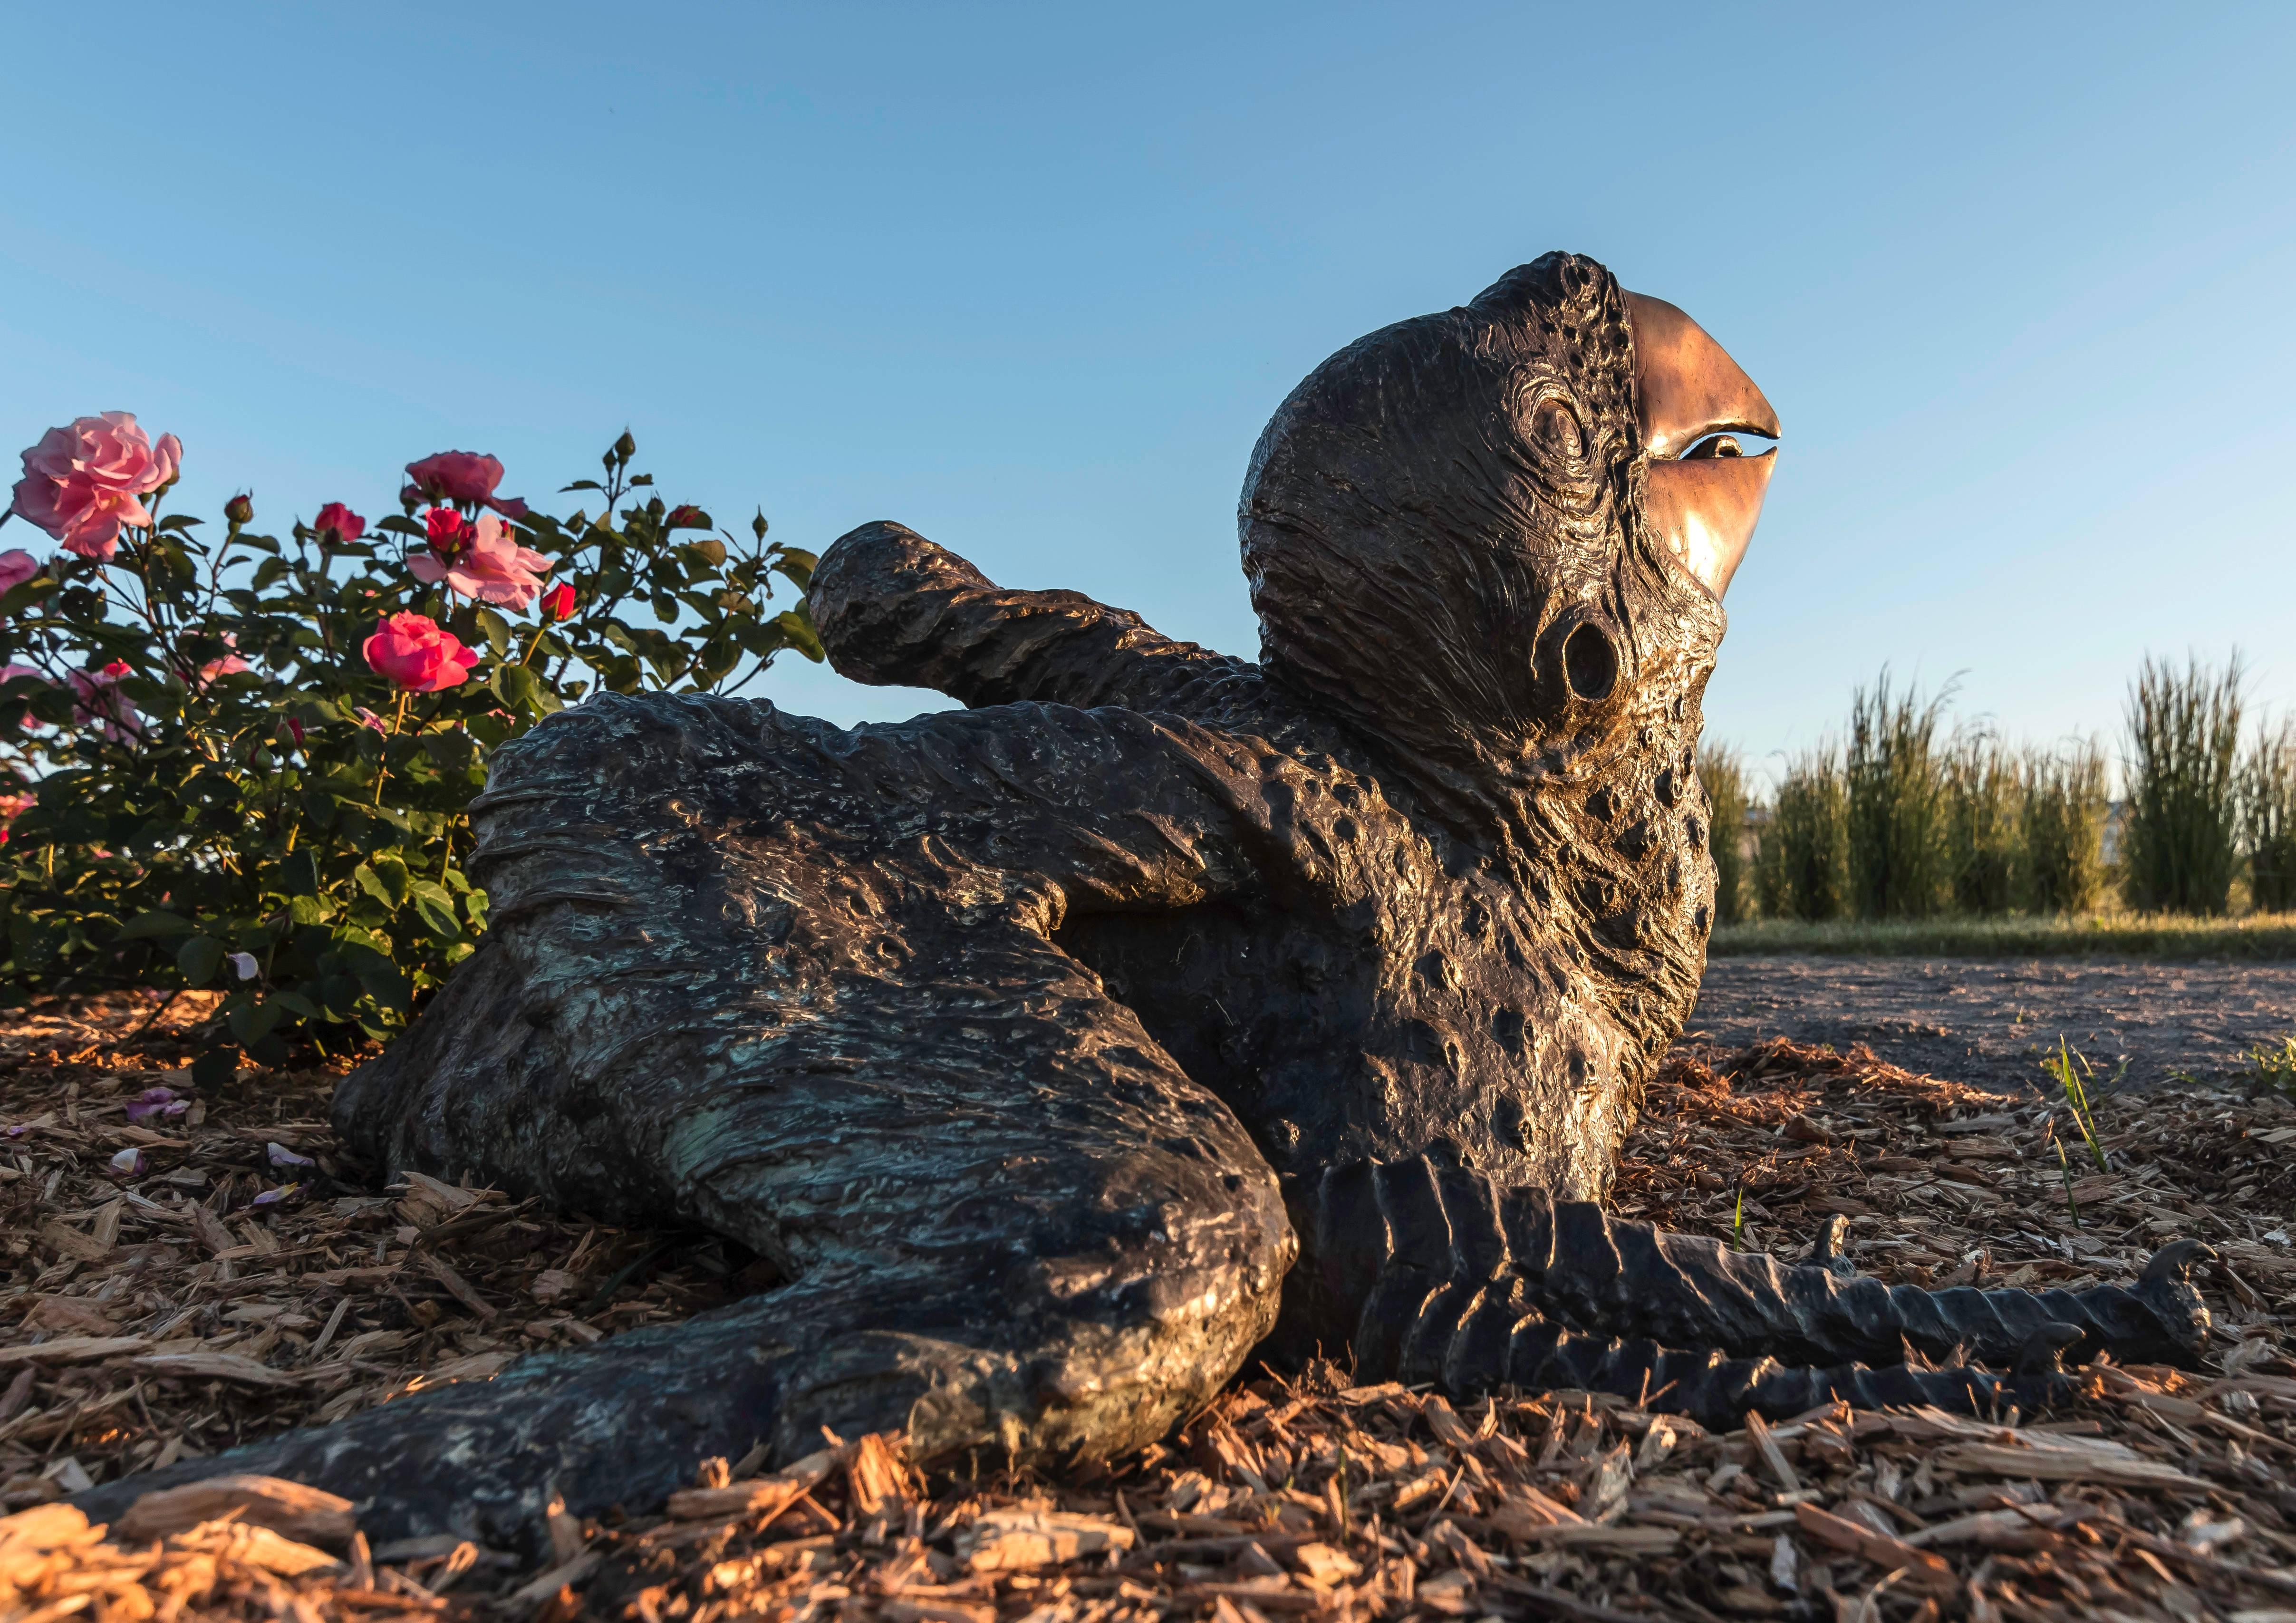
[[1704, 492]]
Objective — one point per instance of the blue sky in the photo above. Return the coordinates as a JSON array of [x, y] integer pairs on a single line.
[[1030, 278]]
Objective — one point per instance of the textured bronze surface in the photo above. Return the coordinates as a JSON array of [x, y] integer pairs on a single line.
[[1034, 1042]]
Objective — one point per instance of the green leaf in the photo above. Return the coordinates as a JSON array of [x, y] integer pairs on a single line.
[[798, 565], [434, 905], [798, 626], [148, 926], [251, 1024], [519, 686], [493, 628], [383, 878], [199, 959], [300, 873]]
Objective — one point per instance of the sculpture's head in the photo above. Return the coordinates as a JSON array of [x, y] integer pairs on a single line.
[[1506, 524], [1495, 540]]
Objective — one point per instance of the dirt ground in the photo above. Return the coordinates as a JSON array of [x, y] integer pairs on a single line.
[[1986, 1022]]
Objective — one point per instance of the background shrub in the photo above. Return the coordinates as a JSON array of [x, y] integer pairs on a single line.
[[1894, 778], [2179, 847], [1722, 775], [2267, 783], [1801, 868], [216, 783], [2062, 828], [1984, 804]]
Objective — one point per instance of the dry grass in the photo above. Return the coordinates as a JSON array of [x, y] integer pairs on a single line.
[[2158, 1493], [2174, 937]]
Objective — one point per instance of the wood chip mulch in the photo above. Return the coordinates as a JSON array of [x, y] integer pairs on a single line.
[[193, 1277]]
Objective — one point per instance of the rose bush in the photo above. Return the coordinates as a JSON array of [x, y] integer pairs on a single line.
[[245, 762]]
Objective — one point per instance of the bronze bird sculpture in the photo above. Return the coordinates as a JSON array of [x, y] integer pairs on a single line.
[[1061, 1051]]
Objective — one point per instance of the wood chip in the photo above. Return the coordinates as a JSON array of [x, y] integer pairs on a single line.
[[72, 1349], [2061, 1465], [1923, 1572], [1757, 1430], [65, 1241], [762, 1499], [308, 1515], [1015, 1540], [214, 1366]]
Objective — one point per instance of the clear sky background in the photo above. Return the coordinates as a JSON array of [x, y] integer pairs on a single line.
[[1029, 279]]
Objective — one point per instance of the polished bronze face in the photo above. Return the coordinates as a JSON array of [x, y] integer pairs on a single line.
[[1704, 493]]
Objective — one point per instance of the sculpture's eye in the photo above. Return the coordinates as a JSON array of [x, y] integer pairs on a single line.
[[1715, 445], [1554, 426]]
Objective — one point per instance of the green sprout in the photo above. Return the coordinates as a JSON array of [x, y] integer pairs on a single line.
[[2274, 1068], [2073, 1073], [2066, 1167]]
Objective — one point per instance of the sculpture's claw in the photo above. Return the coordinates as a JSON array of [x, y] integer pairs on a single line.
[[2043, 1353], [1825, 1248], [2175, 1260]]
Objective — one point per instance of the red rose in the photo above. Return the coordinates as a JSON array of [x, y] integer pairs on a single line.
[[558, 603], [414, 651], [686, 518], [338, 526], [447, 531]]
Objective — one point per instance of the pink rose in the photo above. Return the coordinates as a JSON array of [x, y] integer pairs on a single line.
[[16, 567], [338, 526], [414, 651], [479, 561], [80, 483], [97, 699], [464, 477], [228, 665]]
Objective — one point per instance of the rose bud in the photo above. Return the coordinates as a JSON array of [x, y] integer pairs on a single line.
[[240, 509], [558, 603]]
